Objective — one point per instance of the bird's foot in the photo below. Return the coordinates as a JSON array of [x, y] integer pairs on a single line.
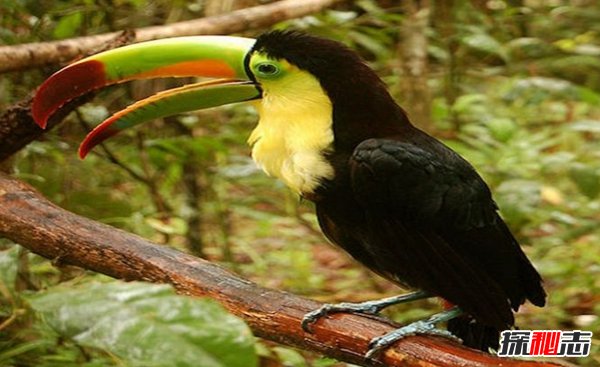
[[368, 307], [427, 327]]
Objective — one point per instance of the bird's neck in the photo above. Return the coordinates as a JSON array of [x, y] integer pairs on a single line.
[[363, 108], [372, 120], [293, 136]]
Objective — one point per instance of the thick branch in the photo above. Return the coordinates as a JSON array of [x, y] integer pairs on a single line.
[[30, 220], [31, 55]]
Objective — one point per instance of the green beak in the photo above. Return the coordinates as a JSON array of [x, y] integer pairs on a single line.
[[201, 56]]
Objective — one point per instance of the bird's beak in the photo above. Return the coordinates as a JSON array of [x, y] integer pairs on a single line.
[[200, 56]]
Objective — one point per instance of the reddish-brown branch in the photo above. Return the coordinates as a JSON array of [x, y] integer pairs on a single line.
[[29, 219], [32, 55]]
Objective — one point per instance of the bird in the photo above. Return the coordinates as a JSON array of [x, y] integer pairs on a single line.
[[396, 199]]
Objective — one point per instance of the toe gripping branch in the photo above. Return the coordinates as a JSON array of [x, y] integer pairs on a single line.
[[427, 327], [368, 307], [377, 345]]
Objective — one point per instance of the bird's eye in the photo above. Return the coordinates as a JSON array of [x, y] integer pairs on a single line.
[[267, 69]]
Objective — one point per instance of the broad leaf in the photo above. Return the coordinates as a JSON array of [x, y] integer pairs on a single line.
[[68, 25], [148, 325], [483, 42], [587, 179]]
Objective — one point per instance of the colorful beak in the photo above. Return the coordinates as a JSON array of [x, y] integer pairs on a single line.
[[200, 56]]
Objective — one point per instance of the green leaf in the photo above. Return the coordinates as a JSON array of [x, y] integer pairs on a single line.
[[528, 47], [369, 43], [7, 353], [371, 6], [517, 199], [502, 129], [471, 105], [588, 95], [587, 179], [68, 25], [483, 42], [8, 267], [147, 325], [94, 114], [340, 17], [290, 357], [587, 126], [171, 225]]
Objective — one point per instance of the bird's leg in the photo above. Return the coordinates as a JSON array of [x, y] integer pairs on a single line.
[[368, 307], [377, 345]]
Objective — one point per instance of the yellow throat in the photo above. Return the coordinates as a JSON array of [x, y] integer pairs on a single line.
[[294, 131]]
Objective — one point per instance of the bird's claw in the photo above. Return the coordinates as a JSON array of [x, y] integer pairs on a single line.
[[312, 317], [377, 345], [369, 308]]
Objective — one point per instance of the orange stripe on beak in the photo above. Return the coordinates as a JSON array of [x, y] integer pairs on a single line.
[[205, 68]]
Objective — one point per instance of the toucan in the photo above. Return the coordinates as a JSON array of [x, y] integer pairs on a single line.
[[396, 199]]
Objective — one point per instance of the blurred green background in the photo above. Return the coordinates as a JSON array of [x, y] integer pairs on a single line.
[[514, 86]]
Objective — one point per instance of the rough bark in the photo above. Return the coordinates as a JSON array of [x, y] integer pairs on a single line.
[[29, 219], [32, 55]]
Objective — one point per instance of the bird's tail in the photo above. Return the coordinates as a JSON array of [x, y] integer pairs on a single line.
[[474, 334]]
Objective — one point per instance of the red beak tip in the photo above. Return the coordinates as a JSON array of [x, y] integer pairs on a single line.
[[42, 124], [64, 86], [39, 117], [83, 151]]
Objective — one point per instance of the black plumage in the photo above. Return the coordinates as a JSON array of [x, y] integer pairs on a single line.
[[404, 204]]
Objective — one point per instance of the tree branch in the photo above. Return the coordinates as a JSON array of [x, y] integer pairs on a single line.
[[17, 128], [29, 219], [25, 56]]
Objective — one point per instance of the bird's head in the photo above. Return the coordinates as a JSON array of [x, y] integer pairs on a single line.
[[280, 66]]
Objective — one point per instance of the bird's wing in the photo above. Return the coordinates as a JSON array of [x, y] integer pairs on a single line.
[[432, 223], [419, 187]]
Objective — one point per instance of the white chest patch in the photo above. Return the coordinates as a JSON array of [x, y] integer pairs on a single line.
[[293, 133]]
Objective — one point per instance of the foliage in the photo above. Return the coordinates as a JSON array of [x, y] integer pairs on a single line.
[[516, 90], [88, 322]]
